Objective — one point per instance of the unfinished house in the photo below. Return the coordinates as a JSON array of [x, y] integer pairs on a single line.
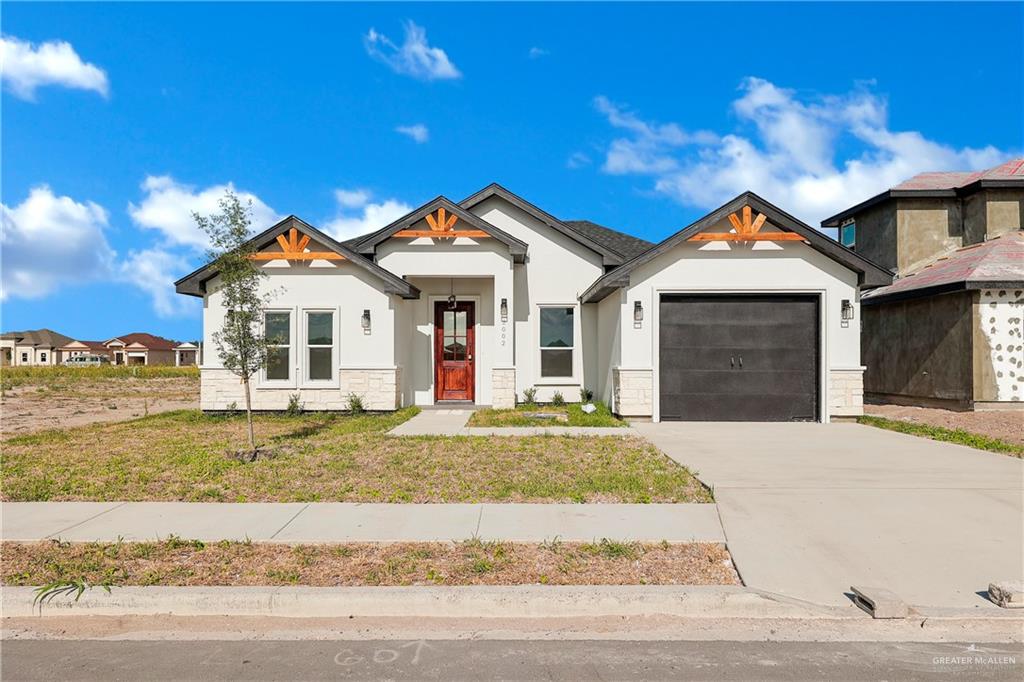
[[948, 331]]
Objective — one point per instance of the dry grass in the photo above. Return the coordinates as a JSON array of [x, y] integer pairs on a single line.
[[176, 562], [330, 457]]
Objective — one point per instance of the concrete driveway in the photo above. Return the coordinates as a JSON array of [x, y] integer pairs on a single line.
[[811, 509]]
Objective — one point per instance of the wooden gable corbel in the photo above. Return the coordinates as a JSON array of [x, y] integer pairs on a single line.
[[747, 229], [293, 249]]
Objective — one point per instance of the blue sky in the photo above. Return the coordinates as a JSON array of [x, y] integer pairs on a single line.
[[119, 119]]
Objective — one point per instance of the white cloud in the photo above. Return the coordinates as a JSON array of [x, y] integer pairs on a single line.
[[419, 132], [25, 67], [355, 219], [168, 206], [786, 150], [537, 52], [577, 160], [154, 271], [352, 198], [48, 241], [415, 57]]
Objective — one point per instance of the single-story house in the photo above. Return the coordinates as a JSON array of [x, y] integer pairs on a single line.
[[38, 347], [140, 348], [747, 314], [185, 354]]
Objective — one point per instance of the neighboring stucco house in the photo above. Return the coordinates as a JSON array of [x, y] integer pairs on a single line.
[[948, 331], [38, 347], [748, 314], [137, 348]]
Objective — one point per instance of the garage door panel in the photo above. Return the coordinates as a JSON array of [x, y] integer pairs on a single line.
[[733, 407], [738, 357]]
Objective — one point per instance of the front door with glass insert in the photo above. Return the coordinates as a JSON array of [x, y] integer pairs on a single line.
[[454, 347]]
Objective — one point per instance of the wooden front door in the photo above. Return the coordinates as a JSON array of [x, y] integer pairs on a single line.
[[454, 346]]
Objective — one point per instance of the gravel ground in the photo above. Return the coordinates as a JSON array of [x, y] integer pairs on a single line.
[[1007, 425]]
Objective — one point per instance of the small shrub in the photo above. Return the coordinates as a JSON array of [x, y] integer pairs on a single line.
[[530, 396], [557, 400], [232, 409], [586, 395], [355, 404], [295, 406]]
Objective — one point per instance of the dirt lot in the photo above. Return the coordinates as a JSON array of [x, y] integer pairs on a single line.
[[32, 407], [178, 562], [1006, 425]]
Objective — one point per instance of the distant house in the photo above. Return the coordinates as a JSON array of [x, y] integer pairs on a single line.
[[128, 349], [948, 330], [139, 348], [38, 347], [186, 354]]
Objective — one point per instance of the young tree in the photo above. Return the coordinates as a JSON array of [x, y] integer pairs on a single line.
[[241, 341]]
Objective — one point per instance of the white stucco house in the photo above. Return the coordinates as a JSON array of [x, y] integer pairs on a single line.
[[747, 314]]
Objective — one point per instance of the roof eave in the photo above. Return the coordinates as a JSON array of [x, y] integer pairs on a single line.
[[608, 256]]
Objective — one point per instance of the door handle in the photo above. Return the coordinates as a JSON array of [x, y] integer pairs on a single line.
[[741, 362], [732, 361], [470, 356]]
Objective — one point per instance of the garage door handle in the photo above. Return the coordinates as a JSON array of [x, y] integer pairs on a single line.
[[732, 362], [741, 362]]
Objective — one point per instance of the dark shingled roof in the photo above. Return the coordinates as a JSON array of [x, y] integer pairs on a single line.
[[625, 245]]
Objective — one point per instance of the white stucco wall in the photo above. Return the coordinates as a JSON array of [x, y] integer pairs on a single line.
[[343, 288], [557, 271], [759, 267]]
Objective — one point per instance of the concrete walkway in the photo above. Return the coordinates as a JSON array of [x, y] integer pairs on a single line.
[[346, 522], [434, 422], [811, 509]]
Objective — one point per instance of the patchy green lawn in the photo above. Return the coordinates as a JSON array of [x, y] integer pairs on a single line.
[[185, 455], [177, 562], [958, 436], [568, 415]]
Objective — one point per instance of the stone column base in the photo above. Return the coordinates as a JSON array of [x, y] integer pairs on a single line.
[[846, 392], [633, 392], [503, 388]]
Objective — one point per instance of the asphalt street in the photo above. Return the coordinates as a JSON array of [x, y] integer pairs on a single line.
[[505, 660]]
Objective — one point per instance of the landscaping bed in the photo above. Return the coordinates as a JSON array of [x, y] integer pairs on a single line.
[[1000, 425], [38, 398], [177, 562], [185, 456], [554, 415]]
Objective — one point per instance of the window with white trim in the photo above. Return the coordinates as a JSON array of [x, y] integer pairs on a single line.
[[42, 357], [557, 341], [278, 331], [319, 345]]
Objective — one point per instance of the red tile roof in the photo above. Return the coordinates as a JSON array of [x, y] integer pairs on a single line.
[[997, 260], [150, 341], [1012, 169]]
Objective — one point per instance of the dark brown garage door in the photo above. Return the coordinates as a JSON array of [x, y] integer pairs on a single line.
[[739, 358]]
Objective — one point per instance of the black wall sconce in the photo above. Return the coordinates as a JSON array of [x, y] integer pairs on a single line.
[[847, 312], [638, 314], [365, 321], [504, 310]]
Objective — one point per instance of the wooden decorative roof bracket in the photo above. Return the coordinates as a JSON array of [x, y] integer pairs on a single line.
[[293, 249], [442, 226], [747, 230]]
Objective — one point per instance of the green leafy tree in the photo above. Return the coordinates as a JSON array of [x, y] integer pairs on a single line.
[[241, 342]]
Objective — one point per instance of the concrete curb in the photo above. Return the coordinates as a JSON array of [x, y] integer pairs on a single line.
[[526, 601]]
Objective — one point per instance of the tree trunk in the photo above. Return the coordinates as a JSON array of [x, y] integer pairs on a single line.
[[248, 415]]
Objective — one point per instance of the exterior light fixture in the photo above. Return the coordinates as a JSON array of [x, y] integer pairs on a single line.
[[504, 310], [365, 321], [451, 299], [638, 314], [847, 309]]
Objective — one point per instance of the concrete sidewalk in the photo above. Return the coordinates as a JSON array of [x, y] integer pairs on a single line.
[[348, 522]]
